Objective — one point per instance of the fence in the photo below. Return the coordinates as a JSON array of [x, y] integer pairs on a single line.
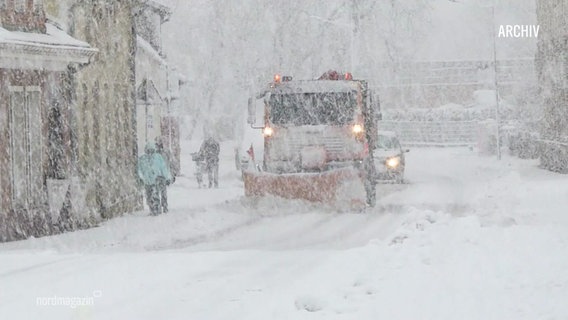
[[553, 154], [414, 84], [425, 73], [431, 133]]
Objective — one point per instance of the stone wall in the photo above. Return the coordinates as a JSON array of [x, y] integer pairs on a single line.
[[552, 70]]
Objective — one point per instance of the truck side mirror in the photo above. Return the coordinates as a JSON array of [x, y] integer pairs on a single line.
[[251, 119]]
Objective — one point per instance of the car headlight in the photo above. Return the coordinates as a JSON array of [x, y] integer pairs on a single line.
[[393, 162]]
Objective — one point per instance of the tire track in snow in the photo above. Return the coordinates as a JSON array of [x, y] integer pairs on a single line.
[[34, 266], [304, 231], [210, 237]]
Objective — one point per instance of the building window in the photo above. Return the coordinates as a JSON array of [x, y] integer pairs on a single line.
[[129, 132], [98, 12], [110, 13], [89, 38], [110, 124], [97, 130], [20, 5], [56, 144], [26, 146], [38, 5], [86, 120], [149, 121]]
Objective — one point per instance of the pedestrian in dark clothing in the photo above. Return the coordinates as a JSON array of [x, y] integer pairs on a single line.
[[155, 175], [166, 154], [210, 152]]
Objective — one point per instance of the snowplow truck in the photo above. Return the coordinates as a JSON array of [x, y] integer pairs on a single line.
[[319, 137]]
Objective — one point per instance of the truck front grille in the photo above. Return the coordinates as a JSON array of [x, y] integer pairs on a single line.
[[336, 147]]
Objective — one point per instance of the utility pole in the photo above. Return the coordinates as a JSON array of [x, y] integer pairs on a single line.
[[354, 31], [497, 115]]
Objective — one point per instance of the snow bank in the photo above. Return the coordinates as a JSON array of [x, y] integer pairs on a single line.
[[440, 267]]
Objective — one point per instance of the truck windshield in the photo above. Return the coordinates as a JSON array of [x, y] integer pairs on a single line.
[[331, 108]]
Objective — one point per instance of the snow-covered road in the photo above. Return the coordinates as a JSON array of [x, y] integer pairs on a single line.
[[467, 238]]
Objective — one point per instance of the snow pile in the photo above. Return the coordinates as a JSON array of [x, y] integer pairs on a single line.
[[445, 268]]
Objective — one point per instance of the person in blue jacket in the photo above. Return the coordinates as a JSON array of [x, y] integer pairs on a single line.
[[154, 173]]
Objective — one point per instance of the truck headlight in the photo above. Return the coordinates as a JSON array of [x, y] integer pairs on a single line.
[[393, 162], [268, 131], [357, 129]]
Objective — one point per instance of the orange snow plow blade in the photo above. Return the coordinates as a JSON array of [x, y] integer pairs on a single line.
[[337, 187]]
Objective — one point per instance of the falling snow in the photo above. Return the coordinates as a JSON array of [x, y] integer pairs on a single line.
[[407, 161]]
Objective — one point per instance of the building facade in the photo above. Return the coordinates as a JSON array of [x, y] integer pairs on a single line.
[[552, 70], [104, 96], [106, 110], [37, 64]]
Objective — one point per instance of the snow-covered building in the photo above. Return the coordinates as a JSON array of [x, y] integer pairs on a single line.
[[552, 66], [38, 61], [105, 104], [157, 85]]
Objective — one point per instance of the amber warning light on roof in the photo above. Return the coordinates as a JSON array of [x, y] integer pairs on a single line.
[[334, 75], [278, 78]]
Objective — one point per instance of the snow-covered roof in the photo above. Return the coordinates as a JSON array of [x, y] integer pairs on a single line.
[[316, 86], [148, 93], [18, 49], [147, 47], [161, 8], [166, 3], [53, 37]]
